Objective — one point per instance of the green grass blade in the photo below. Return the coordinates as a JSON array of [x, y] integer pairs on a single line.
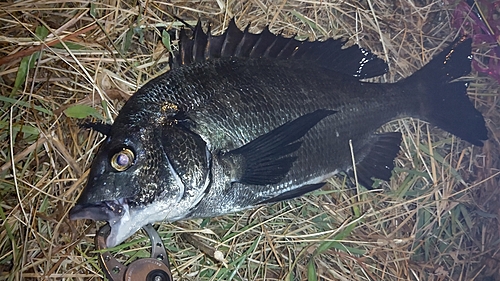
[[26, 104], [28, 62], [165, 39], [312, 274], [24, 128], [81, 111]]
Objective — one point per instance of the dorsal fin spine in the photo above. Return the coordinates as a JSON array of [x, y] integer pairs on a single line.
[[185, 48], [200, 43], [329, 54], [246, 44]]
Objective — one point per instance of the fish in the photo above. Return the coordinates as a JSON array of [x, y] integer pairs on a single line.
[[243, 120]]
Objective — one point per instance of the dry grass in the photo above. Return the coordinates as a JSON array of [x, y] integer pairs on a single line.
[[436, 220]]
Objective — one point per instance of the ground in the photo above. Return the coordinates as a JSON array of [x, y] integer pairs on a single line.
[[62, 62]]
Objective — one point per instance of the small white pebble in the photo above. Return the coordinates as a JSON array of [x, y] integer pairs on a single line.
[[218, 255]]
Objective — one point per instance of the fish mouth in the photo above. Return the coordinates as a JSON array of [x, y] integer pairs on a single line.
[[123, 219], [115, 212], [111, 211]]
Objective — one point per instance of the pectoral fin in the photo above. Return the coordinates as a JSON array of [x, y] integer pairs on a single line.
[[267, 159]]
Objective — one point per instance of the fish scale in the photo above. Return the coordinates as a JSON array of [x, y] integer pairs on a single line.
[[248, 119], [288, 103], [324, 147]]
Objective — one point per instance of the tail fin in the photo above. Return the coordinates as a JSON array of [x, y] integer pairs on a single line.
[[446, 104]]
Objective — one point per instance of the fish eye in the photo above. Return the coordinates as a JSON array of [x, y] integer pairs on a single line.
[[122, 160]]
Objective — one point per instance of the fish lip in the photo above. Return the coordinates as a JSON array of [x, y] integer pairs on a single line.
[[110, 210], [115, 212]]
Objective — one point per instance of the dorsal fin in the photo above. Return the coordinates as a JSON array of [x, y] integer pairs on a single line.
[[329, 54]]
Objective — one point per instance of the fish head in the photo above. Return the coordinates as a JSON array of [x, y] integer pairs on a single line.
[[144, 176]]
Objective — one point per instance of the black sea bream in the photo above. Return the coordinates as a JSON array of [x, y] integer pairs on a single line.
[[248, 119]]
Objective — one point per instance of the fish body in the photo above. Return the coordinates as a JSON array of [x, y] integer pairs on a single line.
[[249, 119]]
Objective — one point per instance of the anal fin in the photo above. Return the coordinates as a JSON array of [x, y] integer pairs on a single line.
[[379, 160]]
